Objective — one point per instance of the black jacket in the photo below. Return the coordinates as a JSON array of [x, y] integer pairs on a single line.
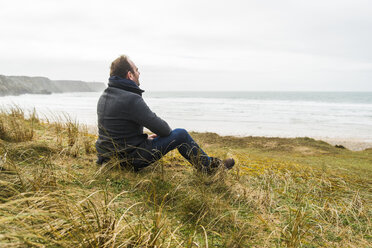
[[122, 114]]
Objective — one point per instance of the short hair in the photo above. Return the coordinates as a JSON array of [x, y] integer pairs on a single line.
[[120, 67]]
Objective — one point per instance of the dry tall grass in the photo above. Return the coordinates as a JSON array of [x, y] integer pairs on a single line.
[[14, 127], [53, 195]]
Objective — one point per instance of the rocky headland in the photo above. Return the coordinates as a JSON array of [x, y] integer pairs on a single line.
[[17, 85]]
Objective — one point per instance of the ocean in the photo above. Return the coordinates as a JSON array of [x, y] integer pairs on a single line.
[[341, 115]]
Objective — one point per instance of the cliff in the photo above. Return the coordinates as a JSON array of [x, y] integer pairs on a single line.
[[17, 85]]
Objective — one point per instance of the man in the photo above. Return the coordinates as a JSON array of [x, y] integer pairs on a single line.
[[122, 114]]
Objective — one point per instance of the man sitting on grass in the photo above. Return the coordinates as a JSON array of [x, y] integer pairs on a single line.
[[122, 114]]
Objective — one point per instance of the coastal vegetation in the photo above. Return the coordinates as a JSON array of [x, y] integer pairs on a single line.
[[282, 192]]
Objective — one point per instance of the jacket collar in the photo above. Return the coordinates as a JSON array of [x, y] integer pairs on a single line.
[[125, 84]]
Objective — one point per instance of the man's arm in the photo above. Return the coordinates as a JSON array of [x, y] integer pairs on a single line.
[[143, 115]]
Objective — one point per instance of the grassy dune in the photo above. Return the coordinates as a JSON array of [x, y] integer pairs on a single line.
[[282, 193]]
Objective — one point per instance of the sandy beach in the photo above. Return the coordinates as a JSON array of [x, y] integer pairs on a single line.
[[351, 144]]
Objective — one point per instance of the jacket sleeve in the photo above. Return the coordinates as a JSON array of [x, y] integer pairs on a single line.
[[143, 115]]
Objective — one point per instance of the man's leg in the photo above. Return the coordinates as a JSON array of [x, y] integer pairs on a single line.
[[187, 147]]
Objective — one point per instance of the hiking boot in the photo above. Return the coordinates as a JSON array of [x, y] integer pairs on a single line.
[[229, 163], [217, 163]]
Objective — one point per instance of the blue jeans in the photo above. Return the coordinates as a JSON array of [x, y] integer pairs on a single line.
[[179, 138]]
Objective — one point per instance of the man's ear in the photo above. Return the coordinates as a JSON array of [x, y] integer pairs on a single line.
[[129, 75]]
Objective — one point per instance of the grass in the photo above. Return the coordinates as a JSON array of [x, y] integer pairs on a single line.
[[281, 193]]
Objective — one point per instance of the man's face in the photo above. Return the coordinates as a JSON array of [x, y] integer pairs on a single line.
[[134, 76]]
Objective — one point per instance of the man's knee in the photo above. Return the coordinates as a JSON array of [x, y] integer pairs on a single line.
[[180, 133]]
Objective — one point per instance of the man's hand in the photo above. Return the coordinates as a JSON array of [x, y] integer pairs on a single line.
[[152, 136]]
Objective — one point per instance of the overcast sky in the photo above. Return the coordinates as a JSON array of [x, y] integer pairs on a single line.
[[194, 45]]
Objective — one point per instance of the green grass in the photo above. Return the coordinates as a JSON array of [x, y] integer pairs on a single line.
[[281, 193]]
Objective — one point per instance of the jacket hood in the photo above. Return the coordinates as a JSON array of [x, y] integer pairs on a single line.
[[125, 84]]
